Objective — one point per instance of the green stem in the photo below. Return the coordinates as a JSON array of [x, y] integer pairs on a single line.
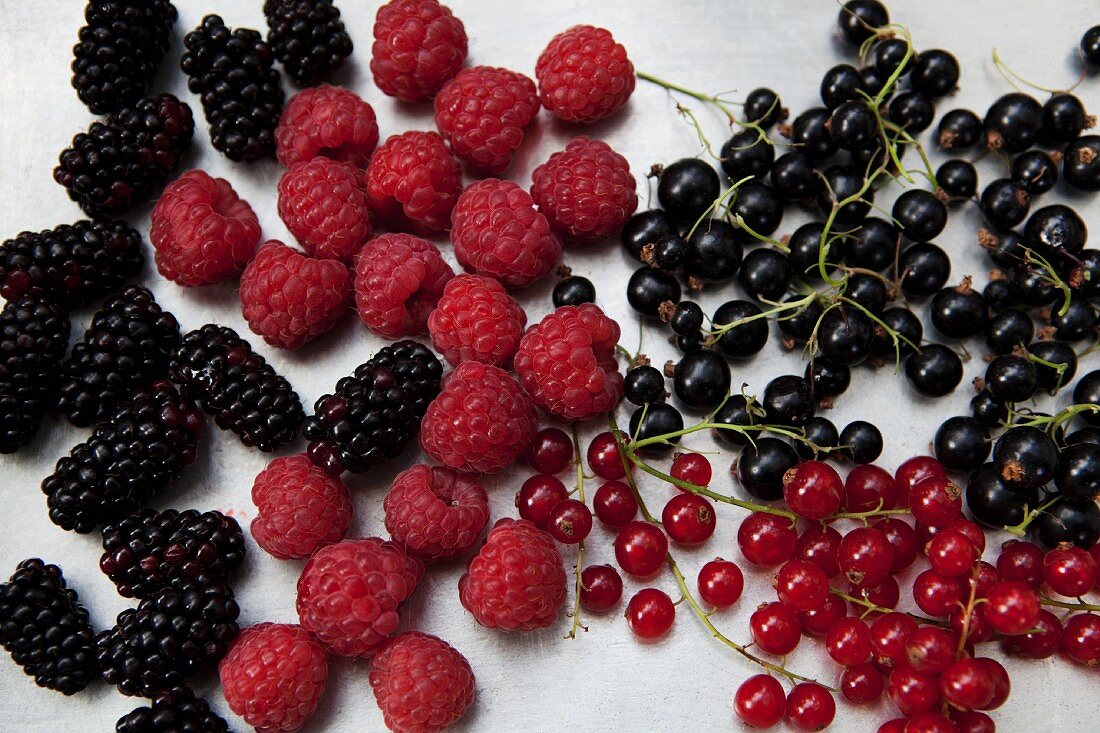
[[1079, 606], [874, 608], [579, 567], [629, 477]]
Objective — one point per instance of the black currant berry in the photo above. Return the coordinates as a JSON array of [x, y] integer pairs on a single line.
[[1006, 248], [997, 295], [668, 253], [765, 274], [853, 126], [804, 250], [645, 227], [788, 400], [648, 287], [1008, 330], [573, 290], [690, 343], [686, 318], [828, 379], [758, 207], [934, 371], [1084, 277], [959, 129], [1087, 392], [935, 73], [687, 189], [746, 154], [799, 323], [1090, 46], [868, 291], [908, 328], [701, 380], [1035, 171], [861, 442], [873, 246], [1076, 522], [660, 418], [841, 84], [810, 134], [958, 312], [1031, 285], [993, 502], [1025, 456], [713, 252], [1064, 117], [859, 19], [889, 55], [1077, 475], [845, 335], [1012, 123], [912, 111], [920, 215], [823, 434], [761, 466], [1011, 378], [644, 385], [736, 411], [794, 178], [844, 182], [961, 444], [763, 107], [1005, 203], [988, 410], [1057, 228], [958, 179], [1084, 435], [1081, 163], [1057, 353], [923, 269], [745, 339], [1078, 322], [873, 82]]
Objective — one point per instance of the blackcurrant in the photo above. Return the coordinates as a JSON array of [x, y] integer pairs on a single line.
[[934, 371], [794, 178], [1005, 248], [1086, 434], [1064, 117], [686, 318], [827, 378], [701, 380], [988, 410], [763, 107], [648, 288], [959, 129], [1025, 456], [644, 385], [788, 400], [1078, 322], [1087, 392], [799, 323], [761, 466], [993, 502], [1005, 203], [912, 111], [690, 343], [845, 335], [873, 246], [961, 444], [1011, 378], [1008, 330], [758, 207], [843, 183], [958, 312], [1081, 163], [859, 19], [713, 252], [1031, 285], [861, 442], [659, 418], [868, 291], [1076, 522], [804, 250], [669, 252], [1090, 46], [889, 54], [935, 73], [1058, 228], [1057, 353], [923, 269], [810, 134], [687, 189], [746, 154], [853, 126], [573, 290], [822, 433], [745, 339], [1077, 475], [736, 411], [1084, 278], [765, 274], [1012, 122], [997, 295], [645, 227], [873, 82], [1035, 171], [958, 178], [920, 215], [909, 331], [840, 84]]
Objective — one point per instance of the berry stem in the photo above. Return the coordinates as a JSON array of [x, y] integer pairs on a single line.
[[960, 650], [626, 468], [1079, 606], [1012, 77], [795, 305], [723, 105], [874, 608], [577, 568], [1051, 276], [1021, 529]]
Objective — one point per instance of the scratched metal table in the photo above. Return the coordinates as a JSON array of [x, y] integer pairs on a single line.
[[605, 680]]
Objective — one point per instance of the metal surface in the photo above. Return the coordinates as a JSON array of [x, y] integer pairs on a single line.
[[605, 680]]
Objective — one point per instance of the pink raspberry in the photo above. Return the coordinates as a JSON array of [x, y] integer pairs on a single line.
[[324, 205], [497, 231], [329, 121], [299, 508], [586, 191], [476, 320], [202, 231], [482, 113], [350, 593], [435, 513], [480, 422], [273, 676], [566, 362], [421, 684], [398, 281], [418, 45], [517, 580], [584, 75], [413, 182], [291, 299]]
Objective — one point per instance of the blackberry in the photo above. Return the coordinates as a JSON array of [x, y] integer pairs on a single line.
[[45, 629], [168, 637], [232, 73], [173, 711], [72, 264], [126, 346], [374, 412], [237, 387], [128, 459], [34, 334], [307, 37], [147, 551], [119, 50], [124, 160]]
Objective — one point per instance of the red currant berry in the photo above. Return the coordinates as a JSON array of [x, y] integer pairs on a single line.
[[951, 553], [966, 684], [971, 721], [888, 634], [818, 621], [986, 578], [820, 544], [866, 557], [911, 691], [813, 490], [650, 613], [693, 468], [551, 452], [977, 629], [938, 595], [801, 585], [930, 721], [915, 470], [688, 519], [861, 684], [930, 649], [925, 533], [973, 532], [849, 641], [1021, 560], [759, 702], [1041, 642], [1095, 552], [603, 456], [601, 587], [1012, 607], [767, 539], [570, 522], [775, 629], [615, 504], [720, 583], [1002, 685], [1081, 638], [903, 539], [897, 725], [1069, 571], [935, 501], [869, 487], [538, 496], [640, 549], [885, 595], [810, 707]]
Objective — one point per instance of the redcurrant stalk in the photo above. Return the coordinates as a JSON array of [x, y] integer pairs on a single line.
[[874, 608], [1079, 606], [971, 601], [579, 566]]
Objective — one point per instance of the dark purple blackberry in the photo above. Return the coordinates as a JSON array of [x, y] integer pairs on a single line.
[[128, 459], [147, 551], [374, 412], [307, 37], [232, 73], [34, 334], [72, 264], [119, 51], [237, 387], [124, 160], [126, 346], [168, 637], [173, 711], [46, 630]]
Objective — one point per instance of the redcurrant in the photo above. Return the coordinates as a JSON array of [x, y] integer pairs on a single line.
[[775, 629], [693, 468], [720, 583], [912, 692], [640, 549], [888, 634], [849, 641], [1081, 638], [869, 487], [820, 544], [861, 684], [930, 649], [551, 451], [759, 701], [1012, 607], [615, 504], [801, 585], [1069, 571], [1041, 642], [603, 456], [813, 490], [688, 519], [1021, 560], [951, 553], [570, 522], [767, 539], [938, 595], [966, 684], [810, 707], [650, 613], [601, 587], [935, 501], [903, 540], [818, 621], [866, 557], [538, 496]]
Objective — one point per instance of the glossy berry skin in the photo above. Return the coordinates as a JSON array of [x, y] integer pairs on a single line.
[[1081, 639], [848, 642], [935, 501], [570, 522], [967, 685], [959, 129], [720, 583], [912, 692], [1012, 122], [762, 465], [1069, 571], [601, 588], [912, 110], [1008, 330], [660, 418], [958, 179], [763, 106], [644, 385], [1035, 171], [813, 490], [810, 707], [1012, 607], [686, 189], [573, 290], [694, 468], [644, 227], [688, 519], [551, 451], [788, 400], [1022, 561], [888, 634], [765, 274], [794, 178], [615, 504], [861, 684], [1042, 641], [801, 585], [935, 73], [820, 544], [936, 594], [745, 154], [822, 433], [648, 288], [1057, 228], [702, 380], [951, 553], [923, 268], [810, 134], [840, 84], [958, 312], [858, 20], [828, 379], [760, 701], [650, 613], [538, 496], [903, 541], [1011, 378], [920, 215], [861, 441], [1025, 456], [640, 549], [766, 540], [845, 182], [817, 621], [930, 649], [865, 557], [603, 457], [1077, 474], [935, 371], [962, 443], [744, 340], [846, 335], [853, 126], [909, 329], [1005, 203], [1081, 163], [775, 629], [868, 487]]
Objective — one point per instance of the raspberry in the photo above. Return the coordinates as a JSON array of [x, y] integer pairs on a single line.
[[476, 320], [291, 299], [584, 75], [421, 683], [586, 191], [299, 508], [202, 231], [480, 422], [413, 181], [329, 121], [498, 232], [274, 676], [435, 513], [323, 203], [567, 364], [418, 45], [517, 579], [482, 113], [349, 594], [398, 281]]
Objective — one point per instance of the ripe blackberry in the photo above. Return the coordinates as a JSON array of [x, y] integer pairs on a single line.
[[119, 50], [123, 160], [128, 459], [126, 346], [72, 264], [45, 629], [241, 97], [147, 551], [173, 711], [158, 645], [374, 412], [307, 36], [237, 387], [33, 337]]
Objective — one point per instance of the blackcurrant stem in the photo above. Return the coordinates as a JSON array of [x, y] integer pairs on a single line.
[[716, 332], [823, 249], [577, 461], [716, 204], [875, 608], [1021, 529], [967, 612], [1033, 257], [739, 221], [894, 335], [1059, 368], [1078, 606], [746, 430], [1008, 74], [1059, 417]]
